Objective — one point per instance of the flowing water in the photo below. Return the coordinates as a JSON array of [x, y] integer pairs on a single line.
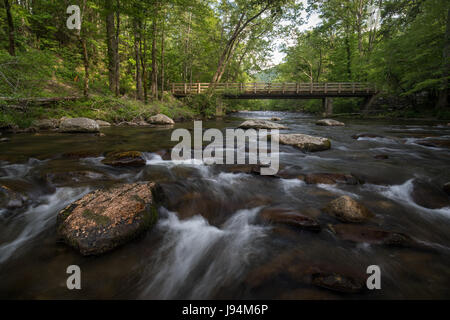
[[208, 242]]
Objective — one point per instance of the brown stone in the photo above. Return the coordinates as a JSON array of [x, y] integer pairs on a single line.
[[330, 178], [289, 217], [125, 159], [435, 143], [357, 233], [348, 210], [337, 282], [105, 219]]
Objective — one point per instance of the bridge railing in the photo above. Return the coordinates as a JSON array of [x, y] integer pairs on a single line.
[[275, 88]]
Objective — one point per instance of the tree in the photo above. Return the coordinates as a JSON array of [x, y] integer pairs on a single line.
[[12, 48]]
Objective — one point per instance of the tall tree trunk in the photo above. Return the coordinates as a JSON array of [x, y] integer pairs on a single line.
[[137, 52], [349, 54], [84, 54], [116, 52], [12, 47], [144, 66], [113, 47], [154, 63], [163, 39], [86, 66], [443, 94], [187, 54]]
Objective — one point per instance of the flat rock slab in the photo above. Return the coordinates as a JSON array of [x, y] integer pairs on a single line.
[[348, 210], [305, 142], [79, 125], [125, 159], [357, 233], [105, 219], [261, 124], [289, 217], [330, 123]]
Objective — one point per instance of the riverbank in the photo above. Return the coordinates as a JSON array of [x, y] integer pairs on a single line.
[[105, 108]]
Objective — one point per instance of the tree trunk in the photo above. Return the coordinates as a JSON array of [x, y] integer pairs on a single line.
[[86, 67], [154, 64], [113, 47], [144, 67], [137, 51], [12, 47], [163, 39], [443, 94]]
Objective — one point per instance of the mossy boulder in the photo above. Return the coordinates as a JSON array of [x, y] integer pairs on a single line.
[[78, 125], [125, 159], [160, 119], [107, 218]]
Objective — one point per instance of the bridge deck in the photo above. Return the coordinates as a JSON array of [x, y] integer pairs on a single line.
[[278, 90]]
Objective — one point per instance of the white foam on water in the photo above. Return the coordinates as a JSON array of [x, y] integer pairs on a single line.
[[335, 189], [378, 139], [20, 170], [183, 256], [36, 219], [403, 194]]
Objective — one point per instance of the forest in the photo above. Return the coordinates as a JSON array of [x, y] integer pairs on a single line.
[[134, 50]]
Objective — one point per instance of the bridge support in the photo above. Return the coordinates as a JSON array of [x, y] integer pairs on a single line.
[[327, 106], [368, 102]]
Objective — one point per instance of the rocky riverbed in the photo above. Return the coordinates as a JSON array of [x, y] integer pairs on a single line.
[[143, 226]]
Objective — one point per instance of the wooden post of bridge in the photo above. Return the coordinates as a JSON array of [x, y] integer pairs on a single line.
[[327, 106]]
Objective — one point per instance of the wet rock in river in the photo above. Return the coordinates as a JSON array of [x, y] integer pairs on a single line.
[[289, 217], [429, 196], [46, 124], [381, 157], [329, 122], [366, 135], [337, 282], [357, 233], [105, 219], [10, 199], [330, 178], [102, 123], [261, 124], [125, 159], [275, 119], [60, 179], [348, 210], [4, 140], [305, 142], [435, 143], [446, 188], [79, 125], [161, 119]]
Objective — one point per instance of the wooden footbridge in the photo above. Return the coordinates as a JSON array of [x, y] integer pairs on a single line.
[[325, 91], [278, 90]]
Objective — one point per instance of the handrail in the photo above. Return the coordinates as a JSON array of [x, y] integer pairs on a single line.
[[276, 88]]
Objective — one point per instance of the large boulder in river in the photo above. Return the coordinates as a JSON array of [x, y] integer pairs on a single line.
[[348, 210], [161, 119], [289, 217], [305, 142], [329, 122], [125, 159], [79, 125], [105, 219], [261, 124]]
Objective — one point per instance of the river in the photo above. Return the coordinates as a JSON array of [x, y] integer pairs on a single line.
[[208, 242]]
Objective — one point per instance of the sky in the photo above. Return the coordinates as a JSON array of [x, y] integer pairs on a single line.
[[278, 56]]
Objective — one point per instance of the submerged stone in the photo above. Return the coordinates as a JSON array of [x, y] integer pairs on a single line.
[[261, 124], [329, 122], [289, 217]]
